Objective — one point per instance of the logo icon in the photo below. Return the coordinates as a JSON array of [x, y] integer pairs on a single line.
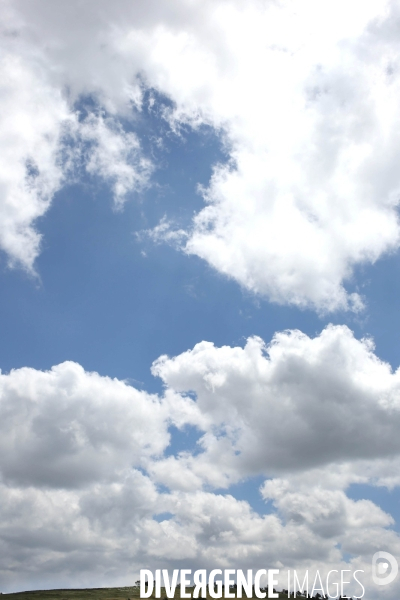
[[384, 568]]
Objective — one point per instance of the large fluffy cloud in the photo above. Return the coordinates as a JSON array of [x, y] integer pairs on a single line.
[[66, 427], [87, 490], [304, 96], [296, 404]]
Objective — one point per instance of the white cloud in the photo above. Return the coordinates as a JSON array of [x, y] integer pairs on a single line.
[[311, 127], [34, 115], [105, 534], [305, 99], [66, 427], [307, 112], [43, 142], [294, 405], [328, 513], [82, 457], [115, 156]]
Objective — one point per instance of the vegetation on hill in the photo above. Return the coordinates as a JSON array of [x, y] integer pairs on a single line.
[[120, 593]]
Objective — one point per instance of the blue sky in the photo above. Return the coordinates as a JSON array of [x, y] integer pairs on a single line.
[[199, 272]]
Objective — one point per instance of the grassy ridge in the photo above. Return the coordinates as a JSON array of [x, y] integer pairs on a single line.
[[121, 593]]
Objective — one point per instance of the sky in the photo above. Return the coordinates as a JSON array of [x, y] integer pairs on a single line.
[[199, 306]]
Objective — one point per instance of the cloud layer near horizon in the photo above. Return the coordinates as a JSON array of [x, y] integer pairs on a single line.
[[83, 457], [304, 97]]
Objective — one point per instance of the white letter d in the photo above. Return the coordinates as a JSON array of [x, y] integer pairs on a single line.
[[150, 580]]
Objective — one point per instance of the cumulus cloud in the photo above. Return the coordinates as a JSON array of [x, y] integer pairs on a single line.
[[66, 427], [87, 490], [293, 405], [304, 97]]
